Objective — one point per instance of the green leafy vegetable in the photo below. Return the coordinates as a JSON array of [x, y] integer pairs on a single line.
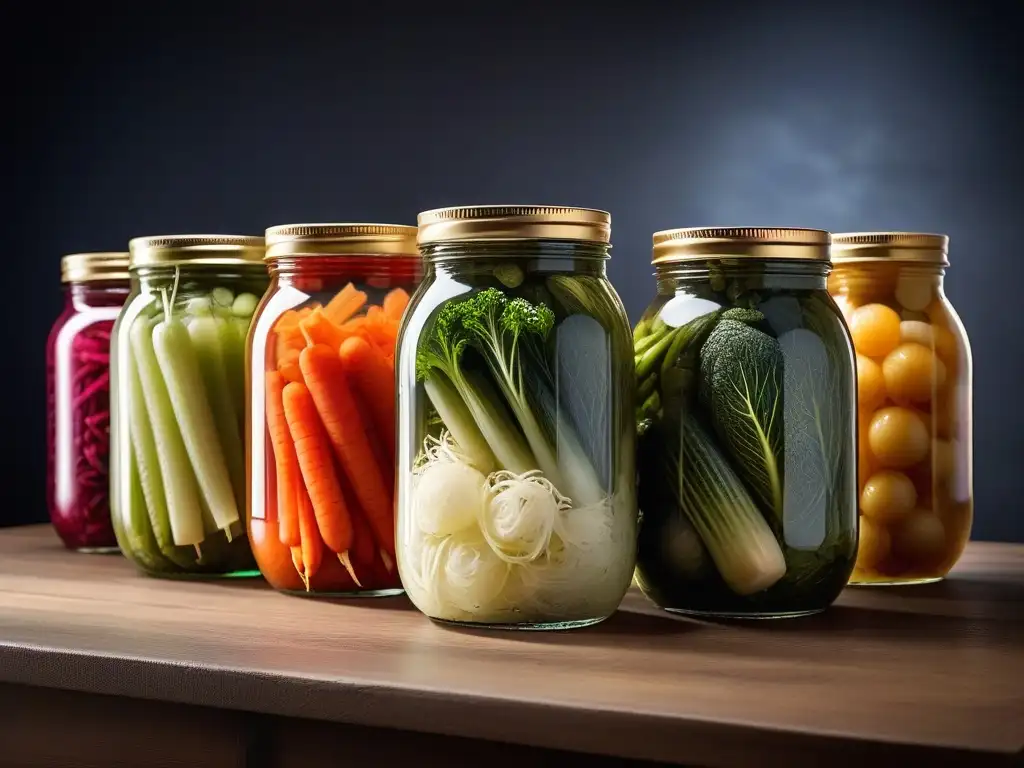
[[716, 503], [442, 350], [741, 370]]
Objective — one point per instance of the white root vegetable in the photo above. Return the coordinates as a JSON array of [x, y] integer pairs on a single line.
[[528, 556], [448, 497], [521, 516]]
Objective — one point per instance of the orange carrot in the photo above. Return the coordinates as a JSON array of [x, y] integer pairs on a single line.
[[395, 303], [286, 462], [328, 383], [288, 338], [318, 328], [312, 544], [288, 365], [314, 455], [346, 303], [374, 381]]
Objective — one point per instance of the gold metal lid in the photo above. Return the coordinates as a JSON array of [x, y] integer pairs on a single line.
[[699, 243], [514, 222], [287, 240], [168, 250], [90, 267], [919, 247]]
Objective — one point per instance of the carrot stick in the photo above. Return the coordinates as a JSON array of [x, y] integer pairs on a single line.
[[314, 455], [374, 381], [319, 329], [327, 381], [312, 544], [289, 365], [395, 303], [288, 339], [346, 303], [286, 463]]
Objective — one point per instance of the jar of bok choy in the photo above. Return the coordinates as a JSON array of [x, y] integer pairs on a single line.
[[178, 404], [747, 442], [914, 382], [516, 482]]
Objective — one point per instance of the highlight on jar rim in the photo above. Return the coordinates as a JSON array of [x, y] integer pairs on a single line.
[[921, 247], [357, 239], [697, 243], [514, 222], [169, 250], [94, 266]]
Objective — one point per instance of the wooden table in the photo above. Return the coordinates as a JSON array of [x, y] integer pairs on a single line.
[[102, 666]]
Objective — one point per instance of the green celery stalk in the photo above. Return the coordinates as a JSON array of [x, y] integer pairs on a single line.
[[180, 369], [179, 483], [149, 524], [456, 416], [232, 345], [206, 341]]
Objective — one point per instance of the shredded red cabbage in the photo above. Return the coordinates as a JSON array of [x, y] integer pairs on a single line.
[[79, 402]]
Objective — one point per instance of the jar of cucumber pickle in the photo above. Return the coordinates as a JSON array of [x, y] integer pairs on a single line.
[[747, 451], [915, 405], [516, 482], [178, 404], [322, 406]]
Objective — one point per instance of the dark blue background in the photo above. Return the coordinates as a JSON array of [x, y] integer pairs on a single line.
[[168, 118]]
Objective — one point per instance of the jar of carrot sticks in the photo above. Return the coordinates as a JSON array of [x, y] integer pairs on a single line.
[[178, 404], [322, 407], [78, 399]]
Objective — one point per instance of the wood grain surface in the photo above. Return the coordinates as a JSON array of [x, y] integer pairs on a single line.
[[929, 673]]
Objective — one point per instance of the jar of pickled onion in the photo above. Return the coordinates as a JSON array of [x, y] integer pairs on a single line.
[[322, 407], [78, 399], [914, 382]]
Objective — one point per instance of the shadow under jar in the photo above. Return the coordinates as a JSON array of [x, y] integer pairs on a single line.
[[322, 407], [915, 402], [178, 404], [516, 481], [78, 399], [747, 442]]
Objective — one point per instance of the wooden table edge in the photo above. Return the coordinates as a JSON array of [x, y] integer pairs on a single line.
[[593, 730]]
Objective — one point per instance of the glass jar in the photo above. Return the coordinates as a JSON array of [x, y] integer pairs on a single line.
[[747, 448], [178, 404], [78, 399], [516, 480], [915, 405], [322, 406]]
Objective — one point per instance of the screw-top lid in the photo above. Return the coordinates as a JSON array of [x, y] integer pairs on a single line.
[[919, 247], [195, 249], [514, 222], [293, 240], [91, 267], [699, 243]]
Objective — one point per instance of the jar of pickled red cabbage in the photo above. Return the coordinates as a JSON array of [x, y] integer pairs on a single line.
[[516, 482], [747, 448], [915, 405], [178, 404], [78, 399], [322, 406]]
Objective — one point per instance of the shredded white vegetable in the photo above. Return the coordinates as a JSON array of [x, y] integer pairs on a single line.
[[521, 515], [527, 556]]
